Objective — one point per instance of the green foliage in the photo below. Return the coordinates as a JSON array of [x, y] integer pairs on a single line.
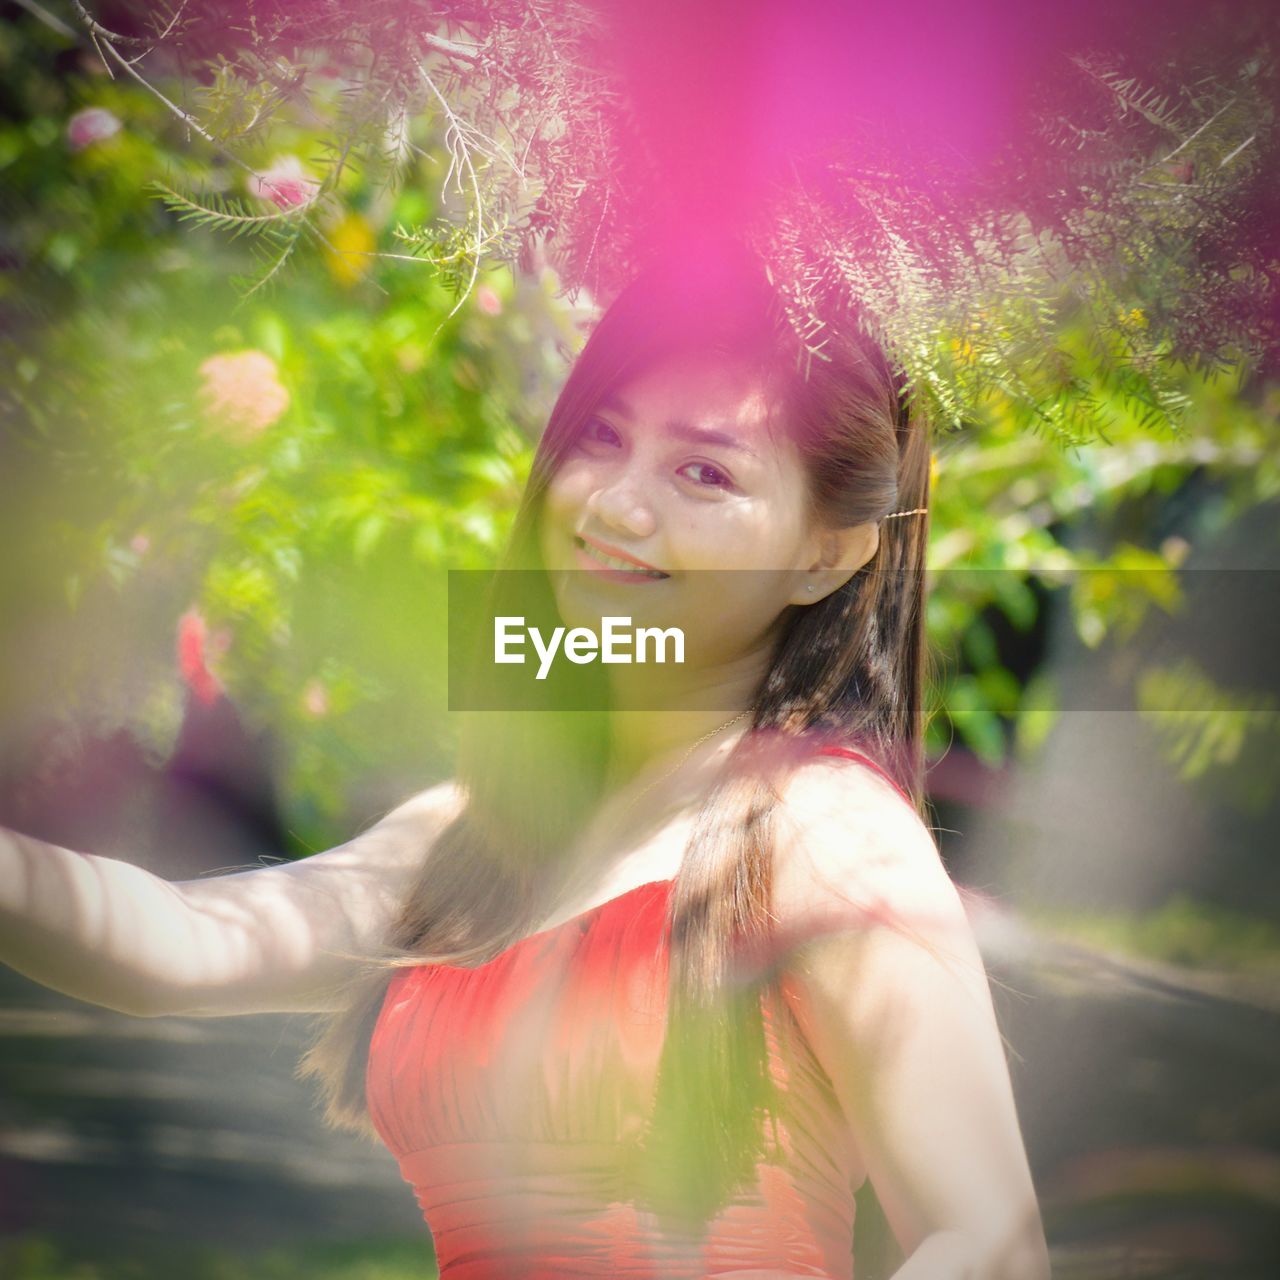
[[306, 491], [39, 1258], [1113, 243], [1007, 506], [1180, 931], [1208, 731], [308, 499]]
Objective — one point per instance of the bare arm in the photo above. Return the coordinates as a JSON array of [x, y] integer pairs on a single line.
[[273, 939], [892, 994]]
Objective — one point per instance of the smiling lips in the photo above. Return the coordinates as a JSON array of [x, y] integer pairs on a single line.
[[619, 568]]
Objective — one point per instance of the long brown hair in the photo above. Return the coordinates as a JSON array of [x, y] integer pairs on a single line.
[[850, 667]]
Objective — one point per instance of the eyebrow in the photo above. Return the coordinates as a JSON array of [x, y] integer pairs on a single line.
[[685, 430]]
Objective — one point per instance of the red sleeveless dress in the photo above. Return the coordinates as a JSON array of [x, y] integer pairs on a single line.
[[507, 1093]]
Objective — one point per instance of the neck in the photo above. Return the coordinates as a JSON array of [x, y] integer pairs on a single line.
[[686, 707]]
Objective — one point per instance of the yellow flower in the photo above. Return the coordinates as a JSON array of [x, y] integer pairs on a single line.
[[351, 241], [933, 470]]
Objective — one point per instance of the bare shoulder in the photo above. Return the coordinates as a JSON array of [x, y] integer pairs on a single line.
[[859, 884], [843, 831]]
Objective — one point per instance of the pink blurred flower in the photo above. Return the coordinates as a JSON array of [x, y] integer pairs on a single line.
[[285, 184], [242, 391], [193, 634], [488, 301], [315, 698], [93, 124], [140, 544]]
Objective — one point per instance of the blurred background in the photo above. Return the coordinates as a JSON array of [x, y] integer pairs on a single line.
[[230, 490]]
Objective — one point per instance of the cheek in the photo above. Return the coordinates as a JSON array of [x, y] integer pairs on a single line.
[[569, 488], [740, 535], [559, 505]]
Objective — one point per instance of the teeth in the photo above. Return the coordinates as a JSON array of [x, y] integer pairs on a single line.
[[612, 562]]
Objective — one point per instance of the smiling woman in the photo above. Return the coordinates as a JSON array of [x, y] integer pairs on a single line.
[[687, 470], [650, 989]]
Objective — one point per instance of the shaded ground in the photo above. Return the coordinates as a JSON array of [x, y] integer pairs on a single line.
[[1150, 1118], [121, 1130]]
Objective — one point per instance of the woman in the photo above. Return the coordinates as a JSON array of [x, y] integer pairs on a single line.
[[653, 986]]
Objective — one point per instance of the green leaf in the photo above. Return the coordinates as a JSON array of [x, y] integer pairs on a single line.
[[428, 543], [368, 533]]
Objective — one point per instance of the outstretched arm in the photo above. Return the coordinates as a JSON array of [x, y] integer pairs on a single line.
[[272, 939], [888, 985]]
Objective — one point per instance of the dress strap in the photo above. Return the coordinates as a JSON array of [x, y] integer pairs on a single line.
[[851, 754]]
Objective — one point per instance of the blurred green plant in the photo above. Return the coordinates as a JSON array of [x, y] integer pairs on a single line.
[[36, 1257], [301, 466], [1206, 729], [1181, 931], [1009, 509], [1125, 218]]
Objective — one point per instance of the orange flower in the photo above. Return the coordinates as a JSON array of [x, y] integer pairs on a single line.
[[242, 393], [315, 699]]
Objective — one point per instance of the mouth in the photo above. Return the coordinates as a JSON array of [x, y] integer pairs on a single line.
[[614, 567]]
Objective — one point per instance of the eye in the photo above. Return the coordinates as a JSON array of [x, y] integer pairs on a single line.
[[597, 431], [706, 476]]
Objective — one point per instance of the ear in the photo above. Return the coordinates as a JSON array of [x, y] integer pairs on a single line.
[[837, 555]]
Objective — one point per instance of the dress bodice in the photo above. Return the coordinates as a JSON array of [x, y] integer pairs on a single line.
[[509, 1093]]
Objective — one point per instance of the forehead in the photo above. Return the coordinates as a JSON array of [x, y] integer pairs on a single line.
[[700, 389]]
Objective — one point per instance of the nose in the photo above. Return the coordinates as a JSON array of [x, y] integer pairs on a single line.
[[620, 504]]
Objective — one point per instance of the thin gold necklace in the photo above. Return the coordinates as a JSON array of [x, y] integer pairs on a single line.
[[631, 804]]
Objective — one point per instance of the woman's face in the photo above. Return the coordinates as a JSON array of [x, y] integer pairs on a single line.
[[677, 471]]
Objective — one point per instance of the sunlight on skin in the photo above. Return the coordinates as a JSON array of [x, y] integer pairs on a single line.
[[901, 1017], [301, 934], [267, 940]]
